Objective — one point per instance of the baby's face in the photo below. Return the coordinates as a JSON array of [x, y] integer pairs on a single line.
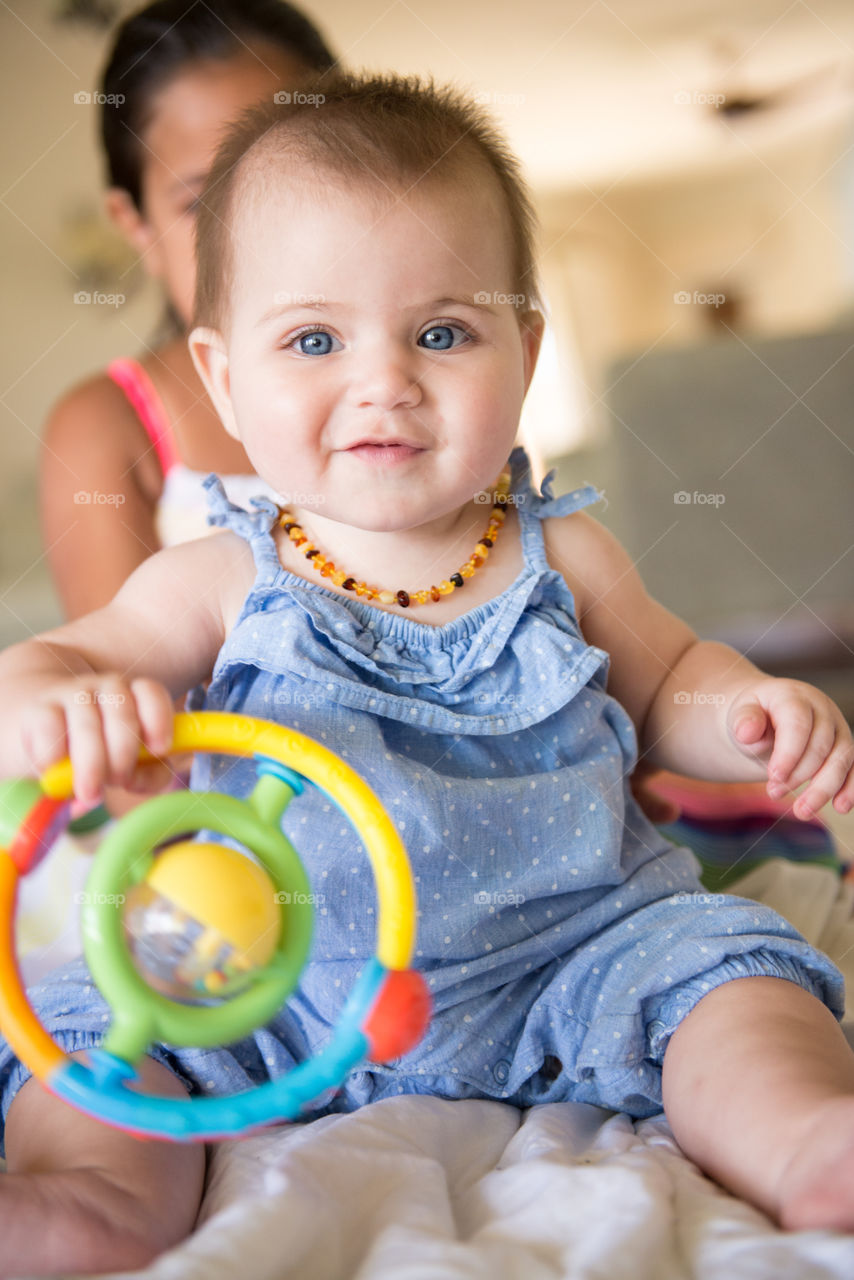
[[376, 365]]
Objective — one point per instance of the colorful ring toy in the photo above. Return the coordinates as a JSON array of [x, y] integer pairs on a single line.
[[387, 1010]]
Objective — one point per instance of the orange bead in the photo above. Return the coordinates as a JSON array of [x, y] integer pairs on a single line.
[[476, 560], [482, 551], [328, 569], [434, 594], [446, 587], [467, 571]]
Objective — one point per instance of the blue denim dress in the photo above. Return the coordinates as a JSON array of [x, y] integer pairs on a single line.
[[562, 937]]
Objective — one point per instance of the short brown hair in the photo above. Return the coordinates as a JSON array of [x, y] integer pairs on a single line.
[[380, 129]]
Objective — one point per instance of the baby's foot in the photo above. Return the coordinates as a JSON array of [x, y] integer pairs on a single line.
[[817, 1186]]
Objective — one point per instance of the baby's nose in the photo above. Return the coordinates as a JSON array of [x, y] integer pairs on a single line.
[[387, 380]]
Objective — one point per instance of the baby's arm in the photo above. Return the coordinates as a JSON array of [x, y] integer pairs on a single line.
[[699, 707], [78, 1196], [99, 687]]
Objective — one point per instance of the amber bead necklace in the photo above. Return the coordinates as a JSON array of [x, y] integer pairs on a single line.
[[427, 595]]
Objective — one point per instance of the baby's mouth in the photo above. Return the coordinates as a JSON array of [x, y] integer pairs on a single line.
[[384, 452]]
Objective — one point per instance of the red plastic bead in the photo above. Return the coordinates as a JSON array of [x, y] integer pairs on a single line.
[[400, 1016]]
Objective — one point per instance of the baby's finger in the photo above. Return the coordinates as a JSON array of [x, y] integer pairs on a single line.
[[121, 728], [843, 801], [44, 736], [793, 723], [86, 745], [816, 753], [751, 727], [156, 712], [835, 779]]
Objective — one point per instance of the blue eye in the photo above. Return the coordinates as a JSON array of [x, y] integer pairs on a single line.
[[442, 337], [316, 343]]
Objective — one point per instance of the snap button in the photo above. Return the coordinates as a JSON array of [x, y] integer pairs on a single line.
[[501, 1071]]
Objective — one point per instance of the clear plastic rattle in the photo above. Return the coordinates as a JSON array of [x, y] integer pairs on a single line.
[[196, 944]]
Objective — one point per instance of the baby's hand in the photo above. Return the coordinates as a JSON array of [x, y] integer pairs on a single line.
[[804, 738], [100, 722]]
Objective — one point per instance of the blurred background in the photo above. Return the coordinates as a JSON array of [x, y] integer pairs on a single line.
[[693, 167]]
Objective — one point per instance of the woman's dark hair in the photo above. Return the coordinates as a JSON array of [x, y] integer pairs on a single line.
[[158, 42]]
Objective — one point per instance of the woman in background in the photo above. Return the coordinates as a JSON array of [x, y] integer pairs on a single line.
[[144, 428]]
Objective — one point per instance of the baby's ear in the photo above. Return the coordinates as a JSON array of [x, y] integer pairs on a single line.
[[210, 356], [531, 326]]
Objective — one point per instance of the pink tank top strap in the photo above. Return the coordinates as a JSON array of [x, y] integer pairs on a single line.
[[142, 394]]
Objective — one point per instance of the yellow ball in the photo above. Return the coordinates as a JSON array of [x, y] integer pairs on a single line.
[[225, 891]]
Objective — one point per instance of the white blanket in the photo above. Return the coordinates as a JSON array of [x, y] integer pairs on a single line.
[[418, 1188]]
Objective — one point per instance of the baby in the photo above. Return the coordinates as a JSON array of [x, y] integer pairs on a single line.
[[486, 655]]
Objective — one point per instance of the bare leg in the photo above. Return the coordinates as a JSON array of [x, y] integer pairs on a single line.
[[759, 1090], [79, 1196]]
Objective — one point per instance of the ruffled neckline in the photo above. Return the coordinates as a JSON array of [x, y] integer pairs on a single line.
[[257, 527]]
